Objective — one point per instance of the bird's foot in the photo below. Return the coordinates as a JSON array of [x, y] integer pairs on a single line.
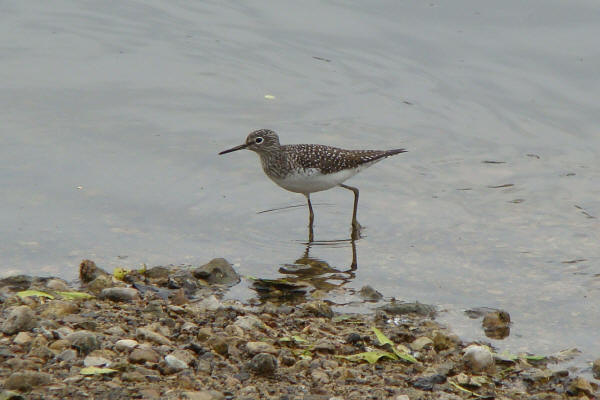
[[356, 229]]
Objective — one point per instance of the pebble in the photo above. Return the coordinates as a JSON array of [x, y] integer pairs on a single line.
[[91, 361], [249, 322], [147, 334], [26, 380], [596, 368], [369, 294], [219, 344], [260, 347], [203, 395], [402, 397], [23, 338], [478, 358], [59, 308], [140, 356], [84, 341], [211, 303], [319, 377], [175, 363], [57, 284], [318, 309], [19, 319], [126, 344], [263, 364], [420, 343], [217, 272], [67, 355], [123, 294]]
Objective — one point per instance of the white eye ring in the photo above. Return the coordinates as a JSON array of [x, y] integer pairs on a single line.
[[258, 140]]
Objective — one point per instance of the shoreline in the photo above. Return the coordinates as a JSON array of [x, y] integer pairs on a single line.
[[166, 333]]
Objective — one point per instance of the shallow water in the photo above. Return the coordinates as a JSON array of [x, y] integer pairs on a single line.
[[113, 115]]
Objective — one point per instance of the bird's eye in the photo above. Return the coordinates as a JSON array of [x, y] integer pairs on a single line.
[[258, 140]]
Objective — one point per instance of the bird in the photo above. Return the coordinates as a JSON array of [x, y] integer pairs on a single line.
[[310, 168]]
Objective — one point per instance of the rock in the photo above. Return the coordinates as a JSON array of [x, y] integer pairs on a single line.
[[147, 334], [319, 377], [210, 303], [19, 319], [140, 356], [402, 397], [496, 324], [126, 344], [27, 380], [88, 271], [123, 294], [100, 283], [41, 351], [57, 284], [263, 364], [217, 272], [596, 368], [369, 294], [428, 382], [59, 308], [249, 322], [353, 338], [260, 347], [420, 343], [579, 386], [91, 361], [175, 363], [478, 358], [135, 376], [157, 273], [60, 345], [67, 355], [445, 341], [84, 341], [318, 309], [397, 308], [203, 395], [219, 344], [22, 338]]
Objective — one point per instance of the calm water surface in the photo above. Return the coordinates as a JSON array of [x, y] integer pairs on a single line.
[[113, 114]]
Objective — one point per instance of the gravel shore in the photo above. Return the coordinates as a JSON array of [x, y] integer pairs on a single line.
[[166, 333]]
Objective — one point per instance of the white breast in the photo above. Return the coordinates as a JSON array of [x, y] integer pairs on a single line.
[[312, 180]]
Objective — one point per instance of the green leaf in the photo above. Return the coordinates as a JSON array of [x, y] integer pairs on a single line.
[[75, 295], [303, 354], [31, 293], [96, 371], [383, 340], [405, 356], [344, 317], [370, 356], [535, 358], [456, 385]]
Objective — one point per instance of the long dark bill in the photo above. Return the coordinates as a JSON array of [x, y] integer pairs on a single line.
[[240, 147]]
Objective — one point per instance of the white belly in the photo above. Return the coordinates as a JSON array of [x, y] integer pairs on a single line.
[[311, 180]]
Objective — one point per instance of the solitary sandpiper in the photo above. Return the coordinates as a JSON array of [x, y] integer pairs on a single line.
[[309, 168]]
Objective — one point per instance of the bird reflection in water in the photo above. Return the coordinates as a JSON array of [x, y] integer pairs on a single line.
[[308, 275]]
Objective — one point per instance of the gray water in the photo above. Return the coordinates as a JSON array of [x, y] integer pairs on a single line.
[[113, 114]]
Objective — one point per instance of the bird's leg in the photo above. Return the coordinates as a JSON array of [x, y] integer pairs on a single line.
[[311, 218], [355, 225]]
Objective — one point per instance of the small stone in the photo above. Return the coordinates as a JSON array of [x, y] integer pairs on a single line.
[[84, 341], [19, 319], [147, 334], [318, 309], [263, 364], [26, 380], [596, 368], [126, 344], [219, 344], [203, 395], [260, 347], [42, 352], [444, 341], [234, 330], [122, 294], [158, 273], [60, 345], [478, 358], [579, 386], [210, 303], [353, 338], [91, 361], [135, 376], [496, 324], [88, 271], [402, 397], [175, 363], [100, 283], [23, 338], [59, 308], [249, 322], [57, 284], [319, 377], [428, 382], [397, 308], [140, 356], [420, 343], [217, 272], [369, 294], [115, 331], [67, 355]]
